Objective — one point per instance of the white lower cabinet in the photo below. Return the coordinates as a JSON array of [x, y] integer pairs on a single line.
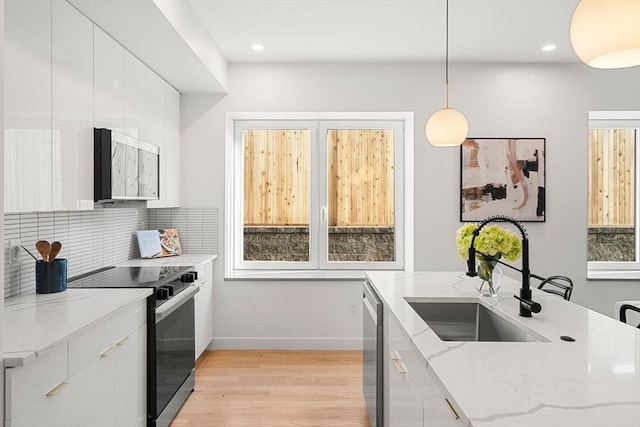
[[90, 394], [51, 411], [413, 397], [97, 378], [204, 307], [131, 381], [403, 406]]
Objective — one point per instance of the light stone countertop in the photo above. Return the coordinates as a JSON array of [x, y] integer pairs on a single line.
[[594, 381], [184, 260], [34, 323]]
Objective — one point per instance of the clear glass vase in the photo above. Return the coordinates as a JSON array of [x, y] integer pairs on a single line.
[[489, 286]]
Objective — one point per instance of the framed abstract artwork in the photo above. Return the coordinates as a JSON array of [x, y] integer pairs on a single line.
[[502, 176]]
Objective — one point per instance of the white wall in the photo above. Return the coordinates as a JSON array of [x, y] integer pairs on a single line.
[[2, 186], [508, 100]]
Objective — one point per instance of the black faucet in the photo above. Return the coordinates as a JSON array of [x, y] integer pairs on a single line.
[[527, 305]]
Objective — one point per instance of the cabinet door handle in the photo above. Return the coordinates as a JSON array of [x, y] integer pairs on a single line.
[[395, 355], [401, 367], [56, 389], [452, 409], [123, 340], [107, 352]]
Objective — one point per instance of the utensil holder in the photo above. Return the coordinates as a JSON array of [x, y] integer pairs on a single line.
[[51, 277]]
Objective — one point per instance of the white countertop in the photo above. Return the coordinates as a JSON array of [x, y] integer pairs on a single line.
[[594, 381], [184, 260], [35, 323]]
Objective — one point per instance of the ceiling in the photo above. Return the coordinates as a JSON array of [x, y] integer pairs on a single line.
[[388, 30], [191, 42]]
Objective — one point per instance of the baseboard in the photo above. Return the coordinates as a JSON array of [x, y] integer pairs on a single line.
[[252, 343]]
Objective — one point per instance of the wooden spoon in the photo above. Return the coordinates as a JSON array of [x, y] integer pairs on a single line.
[[55, 249], [43, 248]]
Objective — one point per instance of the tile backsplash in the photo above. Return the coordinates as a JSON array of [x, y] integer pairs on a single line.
[[98, 238], [197, 227]]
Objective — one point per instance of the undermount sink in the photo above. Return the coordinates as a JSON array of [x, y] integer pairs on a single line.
[[469, 321]]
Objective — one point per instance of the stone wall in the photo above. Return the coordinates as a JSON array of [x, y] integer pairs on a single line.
[[361, 244], [611, 244], [276, 243], [345, 243]]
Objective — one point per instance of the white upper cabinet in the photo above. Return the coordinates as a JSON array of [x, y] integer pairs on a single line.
[[27, 106], [108, 84], [63, 76], [72, 130], [172, 149], [135, 97], [155, 129]]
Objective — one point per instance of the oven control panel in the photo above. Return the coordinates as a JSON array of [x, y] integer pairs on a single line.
[[165, 292]]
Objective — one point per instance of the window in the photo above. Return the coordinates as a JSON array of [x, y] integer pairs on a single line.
[[614, 195], [317, 192]]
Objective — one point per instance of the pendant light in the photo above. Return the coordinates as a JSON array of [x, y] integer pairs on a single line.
[[606, 33], [447, 126]]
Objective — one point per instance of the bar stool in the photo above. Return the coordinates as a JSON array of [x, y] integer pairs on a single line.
[[623, 312]]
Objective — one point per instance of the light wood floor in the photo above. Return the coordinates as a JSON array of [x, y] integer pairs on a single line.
[[276, 389]]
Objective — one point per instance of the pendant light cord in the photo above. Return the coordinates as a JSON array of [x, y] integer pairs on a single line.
[[446, 60]]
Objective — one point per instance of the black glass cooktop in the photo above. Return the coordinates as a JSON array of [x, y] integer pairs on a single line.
[[128, 277]]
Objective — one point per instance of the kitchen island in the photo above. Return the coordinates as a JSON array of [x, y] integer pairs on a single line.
[[592, 381]]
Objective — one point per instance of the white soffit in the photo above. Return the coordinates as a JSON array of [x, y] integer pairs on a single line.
[[166, 36]]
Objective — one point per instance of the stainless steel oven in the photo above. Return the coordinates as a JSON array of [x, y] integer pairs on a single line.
[[372, 357], [174, 375]]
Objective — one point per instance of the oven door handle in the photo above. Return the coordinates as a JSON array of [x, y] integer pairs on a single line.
[[174, 303]]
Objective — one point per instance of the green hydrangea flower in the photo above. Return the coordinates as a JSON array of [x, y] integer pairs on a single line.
[[493, 241]]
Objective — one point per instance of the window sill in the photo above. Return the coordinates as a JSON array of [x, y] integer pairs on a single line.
[[295, 275], [613, 275]]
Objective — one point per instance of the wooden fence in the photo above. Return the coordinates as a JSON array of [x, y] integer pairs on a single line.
[[361, 177], [276, 177], [611, 177], [360, 174]]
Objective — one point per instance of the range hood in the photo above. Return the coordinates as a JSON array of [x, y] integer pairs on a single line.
[[125, 168]]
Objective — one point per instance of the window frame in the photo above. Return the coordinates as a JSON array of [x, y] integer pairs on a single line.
[[318, 266], [620, 270]]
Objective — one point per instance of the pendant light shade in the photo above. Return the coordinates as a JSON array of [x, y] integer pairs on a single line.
[[447, 127], [606, 33]]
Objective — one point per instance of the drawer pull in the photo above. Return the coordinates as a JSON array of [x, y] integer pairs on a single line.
[[107, 352], [401, 367], [395, 355], [56, 389], [123, 340], [453, 410]]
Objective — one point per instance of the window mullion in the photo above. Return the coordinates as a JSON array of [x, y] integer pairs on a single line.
[[320, 164], [315, 225]]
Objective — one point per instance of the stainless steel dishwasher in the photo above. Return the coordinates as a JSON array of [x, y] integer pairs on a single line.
[[372, 362]]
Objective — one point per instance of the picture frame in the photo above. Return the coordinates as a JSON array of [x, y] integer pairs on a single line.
[[503, 176]]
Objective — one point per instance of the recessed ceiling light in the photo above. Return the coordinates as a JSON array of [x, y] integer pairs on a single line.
[[549, 47], [257, 47]]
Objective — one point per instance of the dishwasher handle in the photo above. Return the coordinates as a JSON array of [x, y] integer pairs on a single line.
[[369, 308], [372, 302]]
